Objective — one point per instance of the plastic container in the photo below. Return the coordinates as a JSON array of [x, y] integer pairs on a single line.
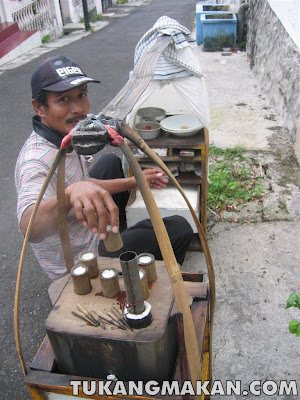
[[207, 9], [219, 28]]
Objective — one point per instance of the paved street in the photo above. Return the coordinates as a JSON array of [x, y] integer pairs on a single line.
[[106, 55], [257, 263]]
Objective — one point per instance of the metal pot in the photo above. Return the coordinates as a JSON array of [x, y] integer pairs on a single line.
[[151, 113]]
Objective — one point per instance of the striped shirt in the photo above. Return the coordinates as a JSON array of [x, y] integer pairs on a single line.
[[32, 166]]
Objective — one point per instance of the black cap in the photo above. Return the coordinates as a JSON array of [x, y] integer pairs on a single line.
[[57, 74]]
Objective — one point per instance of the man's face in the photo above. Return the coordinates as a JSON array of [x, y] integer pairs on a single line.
[[64, 109]]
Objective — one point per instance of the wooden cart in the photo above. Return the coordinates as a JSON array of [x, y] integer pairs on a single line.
[[45, 382], [43, 379], [174, 145]]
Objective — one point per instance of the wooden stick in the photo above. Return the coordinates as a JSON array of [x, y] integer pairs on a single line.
[[84, 318], [87, 314], [108, 319], [121, 316], [97, 318], [118, 321]]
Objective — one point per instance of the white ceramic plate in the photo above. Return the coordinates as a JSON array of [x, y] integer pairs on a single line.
[[181, 125]]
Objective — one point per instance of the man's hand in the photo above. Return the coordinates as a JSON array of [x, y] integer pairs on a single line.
[[93, 206], [155, 178]]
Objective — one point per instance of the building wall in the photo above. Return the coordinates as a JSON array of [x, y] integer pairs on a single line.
[[72, 10], [275, 60]]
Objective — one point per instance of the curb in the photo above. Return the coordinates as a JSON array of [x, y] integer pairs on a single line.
[[124, 10]]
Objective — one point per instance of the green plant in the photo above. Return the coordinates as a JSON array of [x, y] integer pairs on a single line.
[[230, 179], [218, 42], [46, 39], [294, 301], [214, 7], [93, 17], [121, 1], [241, 45]]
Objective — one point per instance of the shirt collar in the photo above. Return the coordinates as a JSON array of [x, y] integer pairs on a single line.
[[47, 133]]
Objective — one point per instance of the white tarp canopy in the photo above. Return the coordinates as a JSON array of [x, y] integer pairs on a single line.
[[178, 84]]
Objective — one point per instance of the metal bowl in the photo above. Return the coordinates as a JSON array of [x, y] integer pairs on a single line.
[[148, 130], [181, 125], [151, 113]]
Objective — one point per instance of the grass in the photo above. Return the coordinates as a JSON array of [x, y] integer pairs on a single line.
[[218, 42], [46, 39], [231, 179], [93, 17]]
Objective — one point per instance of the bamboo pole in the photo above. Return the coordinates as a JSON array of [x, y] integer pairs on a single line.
[[61, 211], [137, 140], [22, 257], [193, 356]]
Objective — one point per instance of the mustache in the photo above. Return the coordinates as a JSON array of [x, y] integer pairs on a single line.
[[76, 118]]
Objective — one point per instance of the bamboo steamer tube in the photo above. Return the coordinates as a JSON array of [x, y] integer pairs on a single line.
[[109, 282], [81, 280], [113, 241], [176, 280], [144, 283], [89, 259], [146, 261]]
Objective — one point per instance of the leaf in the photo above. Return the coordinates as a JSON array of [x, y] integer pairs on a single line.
[[291, 300], [297, 301], [294, 326], [298, 330]]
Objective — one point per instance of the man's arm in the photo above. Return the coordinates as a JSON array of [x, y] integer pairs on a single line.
[[153, 176], [93, 206]]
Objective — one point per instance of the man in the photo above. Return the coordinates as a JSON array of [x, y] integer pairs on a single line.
[[94, 197]]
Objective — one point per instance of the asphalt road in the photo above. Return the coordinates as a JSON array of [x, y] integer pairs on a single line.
[[106, 55]]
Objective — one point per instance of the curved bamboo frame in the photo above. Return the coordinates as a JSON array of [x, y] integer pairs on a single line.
[[193, 356], [22, 257]]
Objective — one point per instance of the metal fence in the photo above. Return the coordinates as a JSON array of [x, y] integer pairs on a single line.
[[35, 15], [106, 4]]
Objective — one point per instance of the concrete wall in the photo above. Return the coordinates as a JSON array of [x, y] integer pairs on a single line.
[[275, 60], [72, 10]]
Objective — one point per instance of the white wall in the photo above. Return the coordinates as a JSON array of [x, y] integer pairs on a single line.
[[288, 12]]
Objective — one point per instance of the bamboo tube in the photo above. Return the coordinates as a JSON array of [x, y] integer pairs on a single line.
[[146, 261], [81, 280], [113, 241], [89, 259], [61, 211], [195, 364], [109, 282], [144, 283]]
